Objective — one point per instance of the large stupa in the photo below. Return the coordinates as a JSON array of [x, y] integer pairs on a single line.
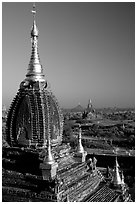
[[34, 114]]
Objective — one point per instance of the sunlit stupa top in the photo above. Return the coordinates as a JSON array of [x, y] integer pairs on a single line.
[[35, 71]]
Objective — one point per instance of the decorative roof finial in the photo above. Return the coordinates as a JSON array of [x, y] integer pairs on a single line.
[[117, 164], [35, 71], [80, 148], [122, 178], [116, 177], [49, 158], [34, 10], [90, 101]]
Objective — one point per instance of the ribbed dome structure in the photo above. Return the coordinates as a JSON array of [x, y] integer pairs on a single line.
[[34, 115]]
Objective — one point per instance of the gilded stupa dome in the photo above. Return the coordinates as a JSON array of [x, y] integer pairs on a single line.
[[34, 115]]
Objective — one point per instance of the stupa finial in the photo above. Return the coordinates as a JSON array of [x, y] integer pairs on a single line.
[[35, 71], [34, 10], [34, 30]]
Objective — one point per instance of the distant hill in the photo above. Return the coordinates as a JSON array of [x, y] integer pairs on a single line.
[[78, 108]]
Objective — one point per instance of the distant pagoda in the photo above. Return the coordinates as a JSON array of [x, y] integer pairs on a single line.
[[34, 114], [89, 112]]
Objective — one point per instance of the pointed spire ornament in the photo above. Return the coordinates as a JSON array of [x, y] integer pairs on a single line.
[[49, 166], [80, 148], [35, 71], [117, 164], [80, 154], [49, 158], [122, 179], [116, 178], [34, 10], [90, 101], [108, 172]]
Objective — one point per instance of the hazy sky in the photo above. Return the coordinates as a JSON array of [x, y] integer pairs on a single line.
[[86, 50]]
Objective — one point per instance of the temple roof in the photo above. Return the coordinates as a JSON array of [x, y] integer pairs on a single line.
[[104, 194]]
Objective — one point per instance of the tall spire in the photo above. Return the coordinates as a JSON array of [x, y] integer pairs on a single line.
[[35, 71]]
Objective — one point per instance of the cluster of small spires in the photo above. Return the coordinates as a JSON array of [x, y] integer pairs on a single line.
[[49, 158]]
